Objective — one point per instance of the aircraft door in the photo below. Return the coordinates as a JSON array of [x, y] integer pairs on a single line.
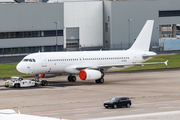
[[44, 62], [134, 58]]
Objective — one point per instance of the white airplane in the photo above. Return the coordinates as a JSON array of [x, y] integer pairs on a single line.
[[90, 65], [9, 114]]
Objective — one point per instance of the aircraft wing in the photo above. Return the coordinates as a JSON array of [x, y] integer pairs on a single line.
[[119, 65]]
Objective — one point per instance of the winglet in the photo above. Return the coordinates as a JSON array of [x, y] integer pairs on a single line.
[[166, 62]]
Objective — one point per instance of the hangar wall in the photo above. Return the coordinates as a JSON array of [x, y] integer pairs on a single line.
[[88, 17], [24, 24], [116, 14], [96, 23]]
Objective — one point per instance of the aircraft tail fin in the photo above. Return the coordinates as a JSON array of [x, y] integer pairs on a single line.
[[144, 38]]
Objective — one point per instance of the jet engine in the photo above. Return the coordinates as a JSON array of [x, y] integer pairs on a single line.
[[48, 75], [88, 74]]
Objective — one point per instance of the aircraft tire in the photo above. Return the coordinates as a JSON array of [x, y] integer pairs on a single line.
[[97, 81], [69, 78], [44, 83], [101, 80], [73, 79]]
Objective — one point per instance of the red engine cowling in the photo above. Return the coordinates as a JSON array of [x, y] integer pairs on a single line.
[[90, 74], [47, 75]]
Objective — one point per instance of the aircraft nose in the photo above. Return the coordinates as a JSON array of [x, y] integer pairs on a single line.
[[20, 68]]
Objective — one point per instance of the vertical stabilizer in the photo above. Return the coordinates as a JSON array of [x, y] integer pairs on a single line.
[[144, 38]]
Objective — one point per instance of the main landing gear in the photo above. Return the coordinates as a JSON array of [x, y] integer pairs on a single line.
[[71, 78], [101, 80]]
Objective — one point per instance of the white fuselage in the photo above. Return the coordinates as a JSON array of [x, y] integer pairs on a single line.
[[66, 62]]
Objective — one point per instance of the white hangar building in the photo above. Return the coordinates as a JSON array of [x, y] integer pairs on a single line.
[[27, 27]]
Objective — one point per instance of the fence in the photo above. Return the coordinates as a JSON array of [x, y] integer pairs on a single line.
[[170, 45], [27, 50]]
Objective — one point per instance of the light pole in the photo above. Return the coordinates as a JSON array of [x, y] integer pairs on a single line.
[[129, 20], [56, 36]]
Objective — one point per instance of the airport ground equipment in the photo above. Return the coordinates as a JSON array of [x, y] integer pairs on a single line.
[[18, 82]]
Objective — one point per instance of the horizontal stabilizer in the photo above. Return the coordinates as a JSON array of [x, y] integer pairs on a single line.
[[159, 55], [152, 63]]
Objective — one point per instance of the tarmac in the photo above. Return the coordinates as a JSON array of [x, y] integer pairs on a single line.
[[153, 93]]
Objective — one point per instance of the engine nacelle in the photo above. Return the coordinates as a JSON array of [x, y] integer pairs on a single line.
[[47, 75], [90, 74]]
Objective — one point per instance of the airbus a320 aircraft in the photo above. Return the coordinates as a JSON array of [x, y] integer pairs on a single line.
[[90, 65]]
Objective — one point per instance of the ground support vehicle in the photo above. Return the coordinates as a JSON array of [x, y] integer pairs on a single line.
[[18, 82]]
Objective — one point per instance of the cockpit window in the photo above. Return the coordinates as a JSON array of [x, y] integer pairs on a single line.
[[25, 60], [29, 60]]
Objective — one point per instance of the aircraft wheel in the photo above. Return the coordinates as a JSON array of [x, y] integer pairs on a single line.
[[73, 79], [44, 83], [101, 80], [69, 78], [97, 81]]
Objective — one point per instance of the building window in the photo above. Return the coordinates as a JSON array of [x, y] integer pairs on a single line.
[[1, 35], [108, 18], [170, 13], [5, 35], [26, 34], [106, 27]]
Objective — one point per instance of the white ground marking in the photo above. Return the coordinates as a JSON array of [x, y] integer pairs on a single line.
[[171, 115], [109, 112], [137, 109]]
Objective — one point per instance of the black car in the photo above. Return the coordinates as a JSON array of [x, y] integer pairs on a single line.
[[118, 102]]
